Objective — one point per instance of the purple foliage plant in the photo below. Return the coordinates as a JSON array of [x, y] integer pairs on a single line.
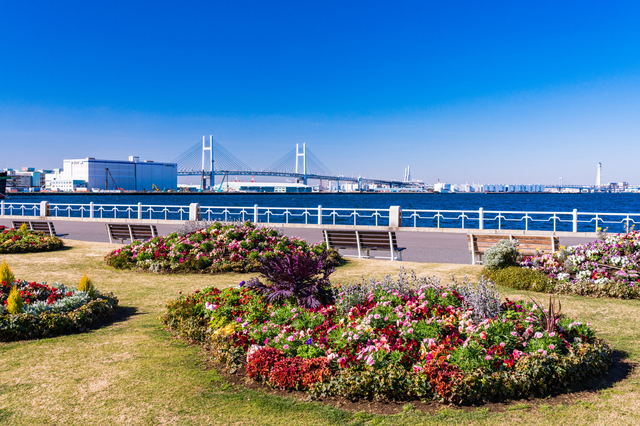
[[300, 276]]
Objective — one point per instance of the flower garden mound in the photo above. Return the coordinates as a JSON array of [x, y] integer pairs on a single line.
[[386, 341], [601, 268], [219, 248], [50, 310], [17, 241]]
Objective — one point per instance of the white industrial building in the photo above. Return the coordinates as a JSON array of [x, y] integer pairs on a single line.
[[132, 175], [279, 187]]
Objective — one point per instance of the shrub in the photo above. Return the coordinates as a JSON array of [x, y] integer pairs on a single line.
[[24, 229], [14, 302], [300, 276], [521, 279], [6, 274], [87, 286], [504, 253]]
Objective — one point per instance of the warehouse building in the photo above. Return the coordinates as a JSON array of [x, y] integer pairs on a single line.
[[132, 175]]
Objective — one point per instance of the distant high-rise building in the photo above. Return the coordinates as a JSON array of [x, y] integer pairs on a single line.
[[599, 176]]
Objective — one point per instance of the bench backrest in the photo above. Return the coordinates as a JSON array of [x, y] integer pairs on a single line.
[[367, 239], [143, 232], [340, 238], [377, 239], [132, 232], [46, 227], [119, 231], [527, 244]]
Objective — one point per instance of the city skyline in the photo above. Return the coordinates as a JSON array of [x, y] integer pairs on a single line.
[[522, 93]]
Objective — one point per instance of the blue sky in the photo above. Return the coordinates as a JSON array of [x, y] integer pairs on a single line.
[[517, 92]]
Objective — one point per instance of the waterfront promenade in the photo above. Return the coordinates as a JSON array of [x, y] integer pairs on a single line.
[[428, 247]]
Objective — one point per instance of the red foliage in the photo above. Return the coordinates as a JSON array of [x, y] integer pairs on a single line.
[[261, 361], [299, 373]]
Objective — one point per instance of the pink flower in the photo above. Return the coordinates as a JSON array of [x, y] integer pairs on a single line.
[[538, 335], [285, 347], [483, 335], [502, 344], [488, 357], [552, 347]]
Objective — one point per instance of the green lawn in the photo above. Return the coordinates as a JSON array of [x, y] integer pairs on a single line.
[[132, 372]]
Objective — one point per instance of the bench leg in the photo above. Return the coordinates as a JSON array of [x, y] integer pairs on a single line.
[[109, 232]]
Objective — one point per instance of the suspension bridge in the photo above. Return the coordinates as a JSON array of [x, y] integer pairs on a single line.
[[208, 159]]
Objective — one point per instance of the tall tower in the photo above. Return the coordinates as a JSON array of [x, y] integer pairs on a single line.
[[599, 176], [302, 154], [206, 148], [407, 174]]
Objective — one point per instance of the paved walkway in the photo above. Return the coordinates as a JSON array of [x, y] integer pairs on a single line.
[[426, 247]]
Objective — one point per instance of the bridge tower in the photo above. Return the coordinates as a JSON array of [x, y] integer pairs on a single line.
[[302, 154], [205, 148]]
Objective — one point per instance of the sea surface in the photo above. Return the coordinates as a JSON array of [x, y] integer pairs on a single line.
[[596, 202]]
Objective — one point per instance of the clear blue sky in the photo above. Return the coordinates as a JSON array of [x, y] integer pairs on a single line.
[[516, 92]]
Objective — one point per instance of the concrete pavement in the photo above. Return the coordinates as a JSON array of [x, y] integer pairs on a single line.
[[436, 247]]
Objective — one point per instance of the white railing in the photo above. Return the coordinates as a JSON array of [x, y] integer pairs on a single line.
[[300, 215], [571, 221]]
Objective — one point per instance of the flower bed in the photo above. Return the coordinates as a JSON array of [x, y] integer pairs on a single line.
[[600, 268], [393, 341], [219, 248], [25, 241], [30, 310]]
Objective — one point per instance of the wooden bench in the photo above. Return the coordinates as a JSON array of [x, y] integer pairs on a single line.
[[527, 244], [119, 231], [46, 227], [364, 241]]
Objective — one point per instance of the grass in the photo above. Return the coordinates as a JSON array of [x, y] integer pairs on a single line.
[[132, 372]]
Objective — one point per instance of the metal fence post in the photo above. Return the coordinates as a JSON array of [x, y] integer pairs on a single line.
[[44, 209], [319, 215], [575, 220], [255, 213], [91, 214], [2, 208], [139, 211], [480, 218]]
